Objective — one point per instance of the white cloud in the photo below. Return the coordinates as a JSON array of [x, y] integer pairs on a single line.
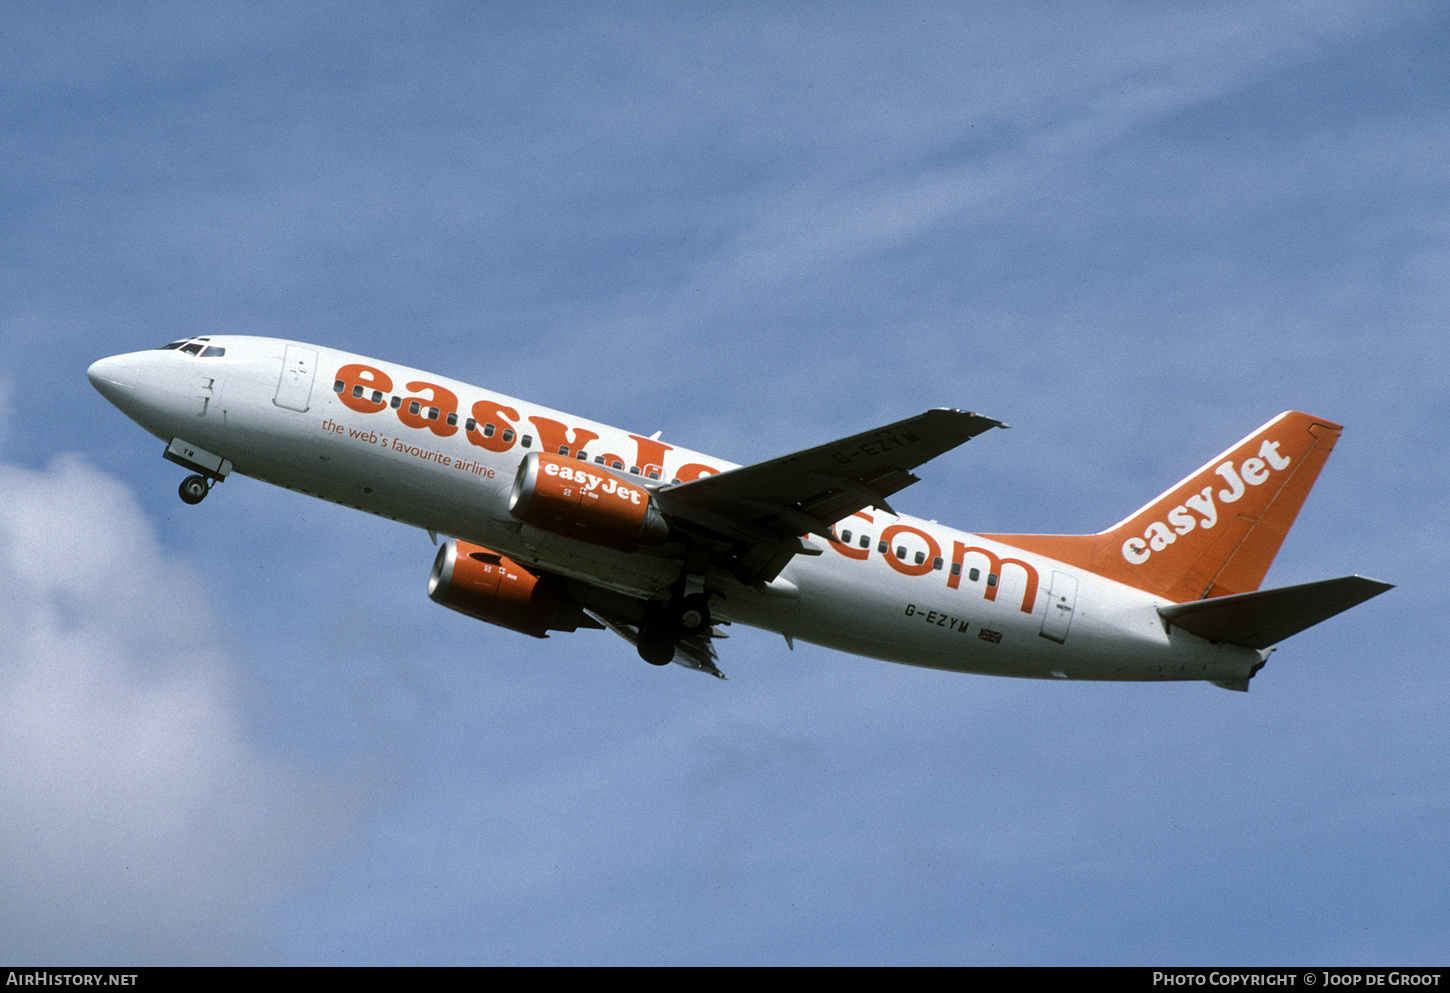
[[138, 822]]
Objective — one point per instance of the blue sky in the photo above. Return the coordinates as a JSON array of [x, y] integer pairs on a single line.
[[241, 733]]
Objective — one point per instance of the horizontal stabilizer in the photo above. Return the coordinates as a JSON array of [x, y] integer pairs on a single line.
[[1266, 617]]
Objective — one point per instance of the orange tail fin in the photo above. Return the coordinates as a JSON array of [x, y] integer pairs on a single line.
[[1214, 533]]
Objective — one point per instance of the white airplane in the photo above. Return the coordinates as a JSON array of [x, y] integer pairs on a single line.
[[561, 523]]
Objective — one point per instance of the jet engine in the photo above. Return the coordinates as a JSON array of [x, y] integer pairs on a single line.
[[487, 586], [579, 500]]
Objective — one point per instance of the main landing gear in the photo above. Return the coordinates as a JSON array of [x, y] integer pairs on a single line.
[[667, 623]]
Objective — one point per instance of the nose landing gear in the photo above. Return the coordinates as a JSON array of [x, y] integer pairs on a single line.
[[194, 489], [207, 469]]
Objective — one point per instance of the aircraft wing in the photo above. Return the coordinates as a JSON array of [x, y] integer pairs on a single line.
[[761, 510]]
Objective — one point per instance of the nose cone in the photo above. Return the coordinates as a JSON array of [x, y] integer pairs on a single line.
[[115, 379]]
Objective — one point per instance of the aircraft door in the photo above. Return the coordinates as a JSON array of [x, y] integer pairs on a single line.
[[1061, 600], [294, 387]]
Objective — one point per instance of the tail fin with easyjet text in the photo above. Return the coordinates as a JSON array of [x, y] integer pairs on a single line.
[[1216, 532]]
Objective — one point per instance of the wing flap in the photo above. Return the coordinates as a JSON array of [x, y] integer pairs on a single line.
[[695, 652]]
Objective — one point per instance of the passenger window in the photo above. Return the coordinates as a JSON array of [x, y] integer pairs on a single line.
[[882, 547], [357, 391], [920, 557], [936, 563], [377, 396], [991, 579], [338, 386], [617, 464], [654, 475], [414, 407], [433, 413], [599, 460], [397, 402], [583, 456], [488, 430], [563, 449], [845, 537], [470, 425], [634, 470], [974, 575], [452, 419], [956, 568], [865, 541], [508, 436]]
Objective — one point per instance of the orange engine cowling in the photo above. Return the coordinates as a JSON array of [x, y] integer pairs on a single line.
[[483, 584], [579, 500]]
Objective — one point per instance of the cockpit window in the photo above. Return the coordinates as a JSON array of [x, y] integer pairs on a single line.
[[196, 346]]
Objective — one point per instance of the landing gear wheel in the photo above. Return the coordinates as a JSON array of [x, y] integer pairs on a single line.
[[655, 648], [194, 489], [694, 614]]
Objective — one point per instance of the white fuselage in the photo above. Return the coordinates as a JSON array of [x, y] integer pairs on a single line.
[[269, 407]]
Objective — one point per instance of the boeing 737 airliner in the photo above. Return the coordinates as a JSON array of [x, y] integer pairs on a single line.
[[559, 523]]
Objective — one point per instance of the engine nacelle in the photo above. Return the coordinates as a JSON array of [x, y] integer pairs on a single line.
[[485, 585], [575, 499]]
